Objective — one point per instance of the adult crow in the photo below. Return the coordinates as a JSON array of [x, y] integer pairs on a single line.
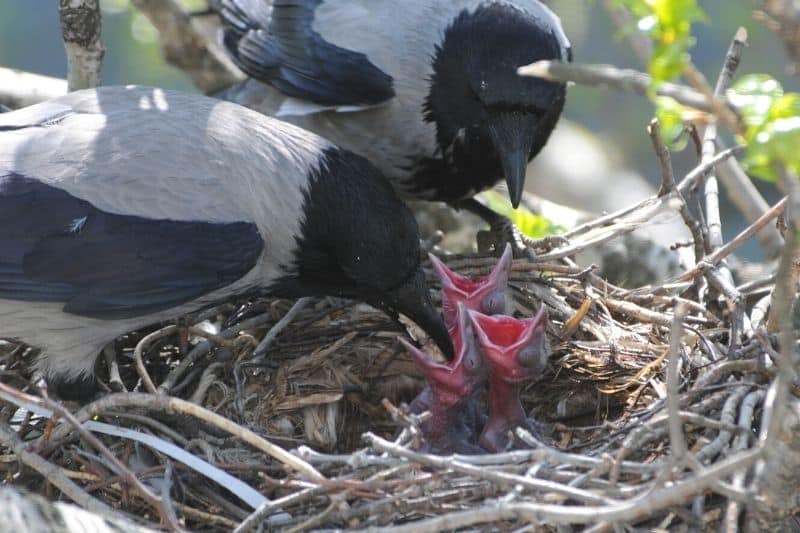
[[427, 90], [123, 206]]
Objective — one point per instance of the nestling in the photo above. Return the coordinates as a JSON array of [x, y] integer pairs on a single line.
[[516, 351], [450, 396]]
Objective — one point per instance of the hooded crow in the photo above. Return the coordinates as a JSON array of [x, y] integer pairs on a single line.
[[426, 90], [123, 206]]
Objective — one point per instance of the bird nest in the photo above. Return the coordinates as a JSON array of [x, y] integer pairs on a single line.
[[236, 387]]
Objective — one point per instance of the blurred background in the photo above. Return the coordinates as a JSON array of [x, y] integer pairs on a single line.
[[603, 124]]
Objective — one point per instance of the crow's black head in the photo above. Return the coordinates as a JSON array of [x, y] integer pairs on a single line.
[[480, 105], [359, 241]]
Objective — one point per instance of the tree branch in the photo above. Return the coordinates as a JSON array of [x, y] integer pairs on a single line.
[[80, 29], [185, 47], [783, 17], [627, 80], [21, 89]]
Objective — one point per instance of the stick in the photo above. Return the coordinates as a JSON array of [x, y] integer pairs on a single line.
[[52, 473], [730, 247], [629, 511], [186, 48], [676, 437], [668, 186], [176, 405], [749, 201], [138, 357], [627, 80], [80, 29], [275, 330], [20, 89]]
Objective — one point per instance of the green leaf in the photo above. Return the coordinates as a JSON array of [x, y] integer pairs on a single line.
[[533, 225], [786, 106], [672, 117], [754, 96], [668, 61]]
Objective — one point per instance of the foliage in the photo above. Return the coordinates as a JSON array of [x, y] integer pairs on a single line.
[[669, 24], [531, 224], [772, 118]]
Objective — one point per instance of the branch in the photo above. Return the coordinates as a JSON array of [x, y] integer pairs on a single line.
[[732, 59], [723, 252], [9, 438], [639, 43], [775, 479], [629, 511], [185, 47], [176, 405], [21, 89], [749, 201], [668, 186], [628, 80], [80, 29], [783, 17], [677, 439]]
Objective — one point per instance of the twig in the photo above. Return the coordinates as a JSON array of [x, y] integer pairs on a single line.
[[747, 198], [706, 167], [270, 507], [727, 249], [728, 417], [484, 473], [721, 278], [745, 425], [80, 29], [628, 511], [52, 473], [140, 347], [732, 59], [20, 89], [778, 436], [186, 48], [668, 186], [676, 437], [176, 405], [627, 80], [116, 464], [275, 330], [204, 347]]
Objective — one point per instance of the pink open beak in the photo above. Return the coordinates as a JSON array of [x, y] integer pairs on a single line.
[[455, 381], [487, 294], [516, 349]]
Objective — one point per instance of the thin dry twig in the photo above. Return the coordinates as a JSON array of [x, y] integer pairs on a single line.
[[627, 80], [176, 405], [51, 472], [676, 436]]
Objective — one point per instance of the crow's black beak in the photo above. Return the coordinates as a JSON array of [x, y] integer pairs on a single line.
[[413, 300], [512, 134]]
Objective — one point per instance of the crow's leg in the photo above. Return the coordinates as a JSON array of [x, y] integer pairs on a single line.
[[501, 231]]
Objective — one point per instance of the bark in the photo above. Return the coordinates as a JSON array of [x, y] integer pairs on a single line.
[[185, 46], [776, 485], [80, 29]]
